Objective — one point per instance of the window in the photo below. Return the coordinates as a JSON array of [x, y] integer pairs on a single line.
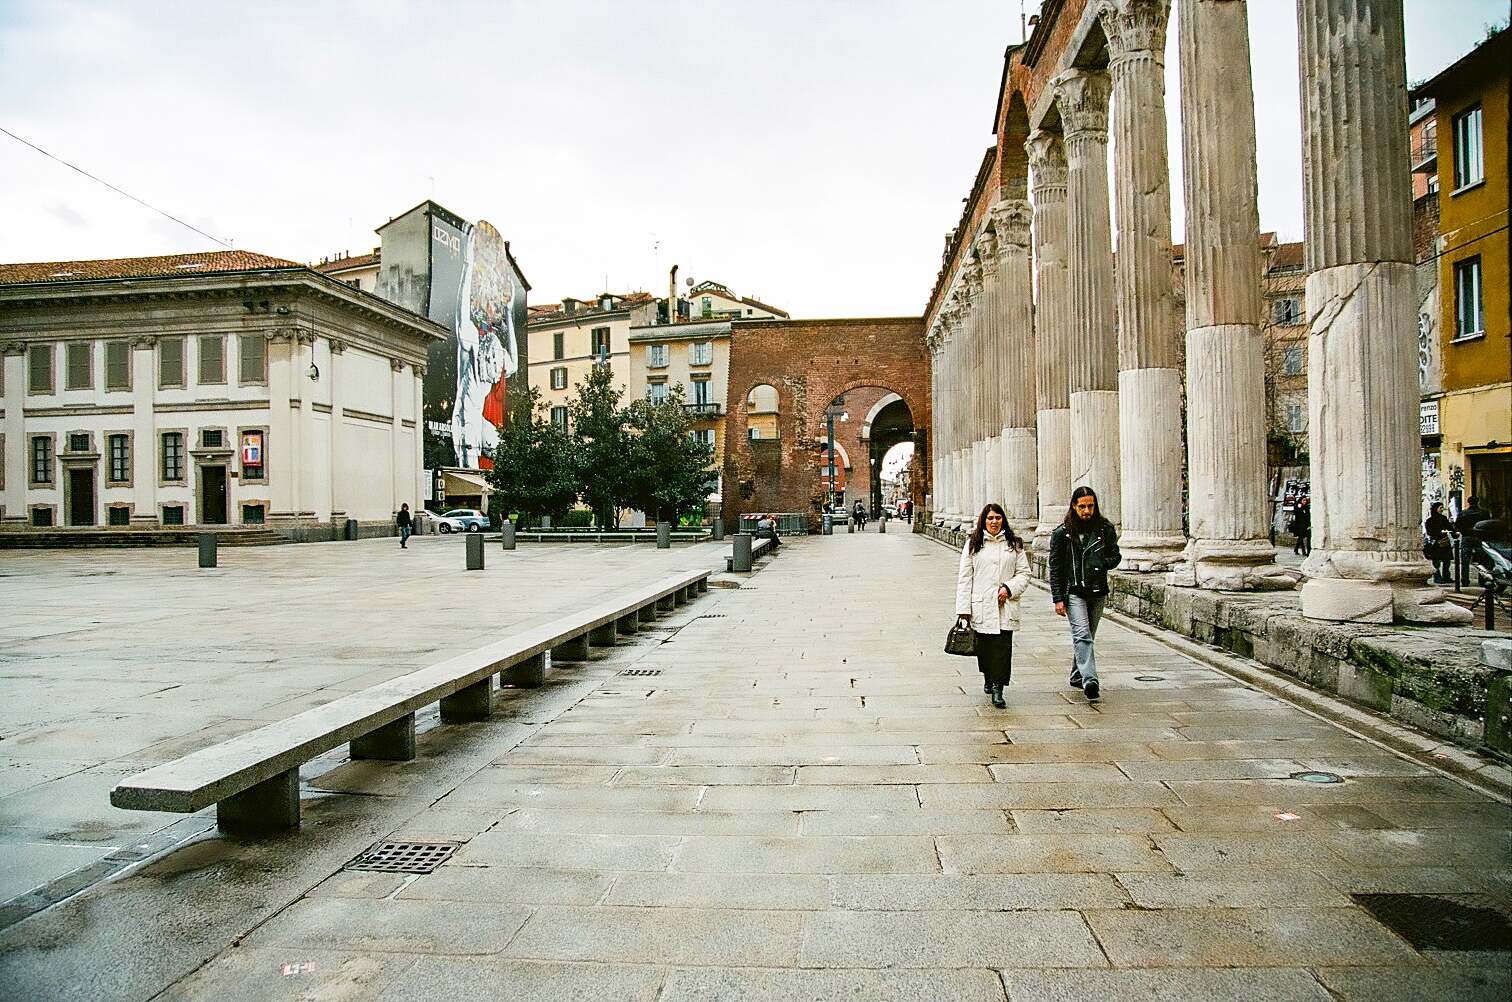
[[253, 514], [212, 438], [252, 455], [1469, 164], [701, 393], [1469, 316], [559, 378], [701, 353], [119, 448], [80, 365], [1296, 417], [171, 361], [706, 307], [558, 344], [42, 459], [212, 359], [703, 436], [657, 393], [118, 515], [39, 361], [173, 514], [117, 365], [42, 516], [78, 441], [1287, 312], [254, 359], [559, 417], [657, 356], [600, 339], [173, 455], [1291, 360]]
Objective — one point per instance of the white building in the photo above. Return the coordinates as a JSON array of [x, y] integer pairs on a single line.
[[222, 388]]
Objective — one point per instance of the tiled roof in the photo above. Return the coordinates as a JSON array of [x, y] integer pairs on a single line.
[[763, 306], [203, 263], [348, 263]]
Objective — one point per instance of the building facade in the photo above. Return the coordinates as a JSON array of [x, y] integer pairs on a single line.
[[566, 339], [224, 388]]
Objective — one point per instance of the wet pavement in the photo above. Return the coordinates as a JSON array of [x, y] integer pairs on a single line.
[[782, 791]]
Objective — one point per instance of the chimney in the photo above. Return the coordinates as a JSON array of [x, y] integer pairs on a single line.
[[672, 296]]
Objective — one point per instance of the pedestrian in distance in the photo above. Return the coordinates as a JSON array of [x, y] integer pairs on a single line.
[[1436, 545], [1302, 527], [1083, 548], [766, 528], [859, 514], [993, 575], [405, 524], [1464, 529]]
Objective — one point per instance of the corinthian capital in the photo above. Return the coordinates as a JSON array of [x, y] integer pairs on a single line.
[[1135, 27], [986, 246], [1011, 218], [1047, 158], [1083, 99]]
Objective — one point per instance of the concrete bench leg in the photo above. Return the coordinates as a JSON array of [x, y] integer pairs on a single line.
[[602, 636], [703, 585], [270, 806], [680, 597], [393, 742], [647, 613], [575, 649], [472, 703], [627, 625], [666, 603], [528, 674]]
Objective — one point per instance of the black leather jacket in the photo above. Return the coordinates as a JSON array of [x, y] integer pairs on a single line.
[[1080, 567]]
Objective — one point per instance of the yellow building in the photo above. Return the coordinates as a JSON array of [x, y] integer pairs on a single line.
[[566, 339], [1474, 410]]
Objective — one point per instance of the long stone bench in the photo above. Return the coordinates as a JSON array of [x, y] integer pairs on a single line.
[[253, 779]]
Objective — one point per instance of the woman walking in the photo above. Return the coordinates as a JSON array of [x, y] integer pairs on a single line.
[[1083, 549], [1436, 545], [994, 573]]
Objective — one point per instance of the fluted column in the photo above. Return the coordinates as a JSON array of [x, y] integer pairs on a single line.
[[1083, 99], [1016, 394], [1052, 333], [934, 341], [989, 373], [1149, 377], [1230, 546], [1366, 564]]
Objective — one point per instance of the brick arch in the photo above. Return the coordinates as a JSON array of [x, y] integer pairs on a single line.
[[811, 362]]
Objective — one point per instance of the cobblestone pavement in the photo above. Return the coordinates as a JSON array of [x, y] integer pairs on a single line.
[[782, 791]]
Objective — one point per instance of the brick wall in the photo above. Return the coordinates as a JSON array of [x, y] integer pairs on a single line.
[[810, 362]]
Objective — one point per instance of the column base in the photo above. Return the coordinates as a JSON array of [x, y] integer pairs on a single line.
[[1354, 600], [1042, 533], [1146, 552], [1231, 565]]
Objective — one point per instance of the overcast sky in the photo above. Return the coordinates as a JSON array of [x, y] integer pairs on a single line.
[[809, 153]]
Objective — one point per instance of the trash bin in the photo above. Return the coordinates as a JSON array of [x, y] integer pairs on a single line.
[[475, 551], [829, 525], [718, 529], [663, 535], [741, 555], [351, 529], [207, 554]]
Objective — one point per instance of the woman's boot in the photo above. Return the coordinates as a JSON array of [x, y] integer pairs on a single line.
[[997, 697]]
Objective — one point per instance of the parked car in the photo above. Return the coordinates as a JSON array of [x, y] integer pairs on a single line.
[[464, 520]]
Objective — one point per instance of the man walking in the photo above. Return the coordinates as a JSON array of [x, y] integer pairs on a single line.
[[405, 523]]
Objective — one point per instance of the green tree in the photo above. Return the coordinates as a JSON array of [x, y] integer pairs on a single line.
[[669, 473], [535, 468], [601, 440]]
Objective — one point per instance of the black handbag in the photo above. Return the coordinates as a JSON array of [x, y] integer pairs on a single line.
[[961, 640]]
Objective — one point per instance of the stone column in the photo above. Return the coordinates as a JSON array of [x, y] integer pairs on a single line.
[[1366, 563], [973, 277], [1052, 334], [990, 371], [1083, 99], [1230, 546], [146, 461], [16, 457], [1016, 394], [1149, 377]]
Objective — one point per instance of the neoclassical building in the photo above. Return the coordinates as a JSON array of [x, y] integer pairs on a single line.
[[1052, 370], [222, 388]]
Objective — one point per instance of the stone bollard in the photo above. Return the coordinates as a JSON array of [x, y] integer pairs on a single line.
[[829, 525], [475, 551], [350, 529], [207, 554], [850, 525], [717, 530], [882, 524], [664, 535], [742, 557], [507, 534]]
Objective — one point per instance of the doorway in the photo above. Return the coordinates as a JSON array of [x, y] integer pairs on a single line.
[[81, 496], [212, 495]]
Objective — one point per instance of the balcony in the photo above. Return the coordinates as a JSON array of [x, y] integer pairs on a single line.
[[704, 410]]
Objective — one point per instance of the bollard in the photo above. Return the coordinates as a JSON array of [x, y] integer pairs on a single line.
[[507, 534], [742, 558], [664, 535], [351, 529], [829, 525], [207, 555], [718, 529], [475, 551], [850, 525], [882, 525]]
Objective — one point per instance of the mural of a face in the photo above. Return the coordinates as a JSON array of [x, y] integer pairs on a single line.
[[487, 348]]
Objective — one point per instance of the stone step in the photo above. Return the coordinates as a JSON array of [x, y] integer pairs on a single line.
[[89, 537]]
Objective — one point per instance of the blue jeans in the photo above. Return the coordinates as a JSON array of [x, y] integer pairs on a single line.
[[1084, 614], [404, 535]]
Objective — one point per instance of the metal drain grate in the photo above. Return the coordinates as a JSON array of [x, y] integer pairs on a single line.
[[1441, 921], [1149, 678], [1316, 777], [641, 672], [405, 857], [713, 615]]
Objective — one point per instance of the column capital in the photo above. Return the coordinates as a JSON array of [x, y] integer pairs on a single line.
[[1047, 158], [1083, 99], [397, 364], [987, 247], [1135, 28], [1012, 218], [15, 348], [337, 346], [971, 284], [420, 371], [144, 341], [305, 337]]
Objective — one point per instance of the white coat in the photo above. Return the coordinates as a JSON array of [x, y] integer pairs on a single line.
[[995, 564]]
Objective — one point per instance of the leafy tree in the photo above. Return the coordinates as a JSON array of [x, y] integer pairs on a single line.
[[600, 438], [536, 469], [669, 473]]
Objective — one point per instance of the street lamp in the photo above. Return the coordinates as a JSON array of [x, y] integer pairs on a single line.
[[830, 413]]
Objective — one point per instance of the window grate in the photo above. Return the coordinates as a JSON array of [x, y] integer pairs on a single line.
[[1441, 921], [405, 857]]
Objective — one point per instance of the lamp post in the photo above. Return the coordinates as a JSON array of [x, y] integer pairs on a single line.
[[830, 413]]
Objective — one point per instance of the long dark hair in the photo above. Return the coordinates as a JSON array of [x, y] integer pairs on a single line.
[[980, 531], [1075, 524]]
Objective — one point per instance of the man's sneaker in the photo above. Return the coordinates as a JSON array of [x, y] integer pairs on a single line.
[[1091, 689], [1076, 682]]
